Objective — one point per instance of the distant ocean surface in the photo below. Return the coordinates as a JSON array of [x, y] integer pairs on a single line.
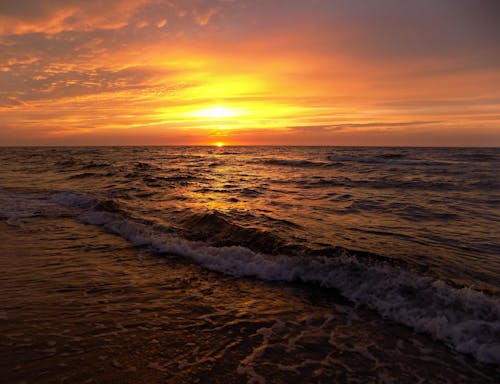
[[389, 259]]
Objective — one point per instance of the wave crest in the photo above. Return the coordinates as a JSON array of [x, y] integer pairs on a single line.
[[463, 318]]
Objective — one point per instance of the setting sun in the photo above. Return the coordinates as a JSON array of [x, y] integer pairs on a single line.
[[219, 145]]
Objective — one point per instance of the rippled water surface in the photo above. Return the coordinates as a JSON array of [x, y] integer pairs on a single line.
[[250, 263]]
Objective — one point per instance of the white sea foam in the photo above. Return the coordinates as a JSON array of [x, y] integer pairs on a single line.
[[466, 319], [14, 207]]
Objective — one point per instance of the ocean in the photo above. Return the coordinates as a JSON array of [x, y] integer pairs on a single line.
[[250, 264]]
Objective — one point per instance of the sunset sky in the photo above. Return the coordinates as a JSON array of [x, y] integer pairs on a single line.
[[284, 72]]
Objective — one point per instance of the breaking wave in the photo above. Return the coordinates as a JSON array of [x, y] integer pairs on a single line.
[[463, 318]]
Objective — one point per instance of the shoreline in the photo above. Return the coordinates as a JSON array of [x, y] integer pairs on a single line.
[[84, 305]]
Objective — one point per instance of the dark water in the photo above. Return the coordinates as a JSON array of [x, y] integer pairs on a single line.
[[268, 264]]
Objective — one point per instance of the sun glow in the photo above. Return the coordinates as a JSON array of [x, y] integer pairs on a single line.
[[216, 112], [219, 144]]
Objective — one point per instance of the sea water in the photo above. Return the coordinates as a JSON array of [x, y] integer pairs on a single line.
[[250, 263]]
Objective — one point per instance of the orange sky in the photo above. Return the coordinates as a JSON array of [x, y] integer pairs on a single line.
[[294, 72]]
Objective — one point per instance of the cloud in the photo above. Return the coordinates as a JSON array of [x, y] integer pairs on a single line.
[[53, 16], [161, 23], [331, 128], [432, 134], [203, 16], [390, 33]]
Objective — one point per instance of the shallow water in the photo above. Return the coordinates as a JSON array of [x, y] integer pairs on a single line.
[[325, 262]]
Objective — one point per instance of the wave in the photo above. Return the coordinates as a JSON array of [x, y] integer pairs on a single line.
[[393, 159], [293, 163], [75, 199], [417, 184], [392, 156], [84, 175], [465, 319], [15, 207], [145, 166], [480, 157], [94, 165], [415, 212], [221, 231], [88, 201]]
